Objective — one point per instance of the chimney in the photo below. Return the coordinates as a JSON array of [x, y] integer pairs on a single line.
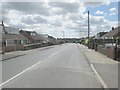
[[112, 28]]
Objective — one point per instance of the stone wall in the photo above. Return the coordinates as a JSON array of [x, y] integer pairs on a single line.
[[13, 48]]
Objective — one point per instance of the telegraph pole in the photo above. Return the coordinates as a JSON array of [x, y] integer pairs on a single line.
[[88, 30]]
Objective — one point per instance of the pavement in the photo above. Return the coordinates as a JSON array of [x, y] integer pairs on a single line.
[[106, 69], [14, 54]]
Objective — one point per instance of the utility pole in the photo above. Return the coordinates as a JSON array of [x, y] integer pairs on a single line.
[[88, 30]]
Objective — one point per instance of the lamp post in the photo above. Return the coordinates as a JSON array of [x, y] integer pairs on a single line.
[[88, 30]]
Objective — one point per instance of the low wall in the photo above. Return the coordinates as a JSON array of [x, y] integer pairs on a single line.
[[118, 54], [111, 52], [13, 48], [19, 47], [101, 49]]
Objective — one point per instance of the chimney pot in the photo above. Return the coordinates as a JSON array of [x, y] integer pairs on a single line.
[[112, 28]]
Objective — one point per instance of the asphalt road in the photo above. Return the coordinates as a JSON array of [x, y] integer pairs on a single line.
[[63, 66]]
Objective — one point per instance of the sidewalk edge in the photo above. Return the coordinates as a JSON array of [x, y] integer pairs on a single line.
[[96, 73], [12, 57]]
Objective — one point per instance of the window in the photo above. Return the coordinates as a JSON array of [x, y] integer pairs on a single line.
[[15, 41], [33, 34], [22, 41], [9, 42]]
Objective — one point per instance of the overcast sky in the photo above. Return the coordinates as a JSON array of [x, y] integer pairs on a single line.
[[55, 17]]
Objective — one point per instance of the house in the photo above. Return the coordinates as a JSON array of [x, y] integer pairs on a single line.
[[51, 39], [113, 34], [110, 45], [48, 39], [100, 34], [11, 39], [32, 36], [45, 37]]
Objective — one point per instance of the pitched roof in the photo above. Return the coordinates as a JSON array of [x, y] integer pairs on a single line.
[[112, 33], [45, 37], [32, 37], [14, 36]]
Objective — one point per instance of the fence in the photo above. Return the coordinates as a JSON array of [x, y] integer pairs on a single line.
[[109, 47]]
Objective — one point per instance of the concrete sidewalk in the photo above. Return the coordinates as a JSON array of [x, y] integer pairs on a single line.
[[14, 54], [106, 69]]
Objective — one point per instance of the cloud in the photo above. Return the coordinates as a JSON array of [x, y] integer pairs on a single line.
[[0, 11], [54, 17], [39, 19], [65, 7], [27, 7], [113, 11], [99, 12]]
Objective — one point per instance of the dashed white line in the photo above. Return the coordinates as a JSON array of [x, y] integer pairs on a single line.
[[55, 53]]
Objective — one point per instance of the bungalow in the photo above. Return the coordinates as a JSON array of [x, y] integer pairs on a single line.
[[11, 39], [112, 41], [32, 36], [113, 34], [100, 34], [50, 39]]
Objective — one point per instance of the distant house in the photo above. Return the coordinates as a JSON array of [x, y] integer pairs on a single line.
[[32, 36], [51, 39], [11, 39], [113, 34], [100, 34], [45, 38]]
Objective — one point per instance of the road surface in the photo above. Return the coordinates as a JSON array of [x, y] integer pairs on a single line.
[[63, 66]]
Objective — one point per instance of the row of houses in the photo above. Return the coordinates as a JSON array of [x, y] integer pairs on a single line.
[[112, 34], [107, 43], [15, 39]]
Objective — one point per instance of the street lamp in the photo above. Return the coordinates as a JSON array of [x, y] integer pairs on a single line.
[[88, 30]]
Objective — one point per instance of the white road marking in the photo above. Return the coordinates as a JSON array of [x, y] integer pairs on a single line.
[[19, 74], [55, 53], [99, 77], [28, 69]]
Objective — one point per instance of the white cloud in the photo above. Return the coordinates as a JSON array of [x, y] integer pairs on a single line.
[[0, 11], [99, 12], [53, 17], [113, 11]]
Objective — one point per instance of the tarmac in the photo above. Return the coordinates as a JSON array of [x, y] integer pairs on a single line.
[[105, 69]]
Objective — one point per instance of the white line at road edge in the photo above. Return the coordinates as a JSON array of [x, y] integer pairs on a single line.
[[96, 73], [27, 69], [99, 78]]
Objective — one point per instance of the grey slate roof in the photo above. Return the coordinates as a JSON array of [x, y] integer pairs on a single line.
[[112, 33], [14, 36]]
